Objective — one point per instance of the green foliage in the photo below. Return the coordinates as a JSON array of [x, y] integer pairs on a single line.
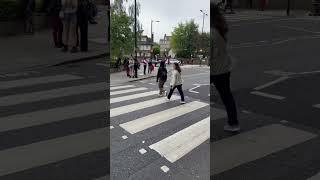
[[203, 43], [184, 38], [9, 10], [122, 29], [156, 49]]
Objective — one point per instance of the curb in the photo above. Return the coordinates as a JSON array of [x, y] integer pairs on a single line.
[[142, 78], [79, 60]]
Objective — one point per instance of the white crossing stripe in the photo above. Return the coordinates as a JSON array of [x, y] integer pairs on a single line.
[[233, 151], [161, 117], [165, 169], [272, 83], [50, 94], [138, 106], [127, 91], [51, 115], [133, 96], [37, 80], [316, 105], [121, 87], [272, 96], [103, 178], [315, 177], [179, 144], [22, 158]]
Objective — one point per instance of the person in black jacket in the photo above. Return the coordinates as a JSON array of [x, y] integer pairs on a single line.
[[136, 67], [83, 18], [28, 16], [162, 78]]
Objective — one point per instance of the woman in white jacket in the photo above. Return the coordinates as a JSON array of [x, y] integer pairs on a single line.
[[221, 66], [176, 82]]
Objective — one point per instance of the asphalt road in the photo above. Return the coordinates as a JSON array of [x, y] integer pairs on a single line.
[[276, 86], [132, 155], [53, 123]]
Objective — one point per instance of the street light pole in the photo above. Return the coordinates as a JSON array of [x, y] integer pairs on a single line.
[[204, 14], [135, 28]]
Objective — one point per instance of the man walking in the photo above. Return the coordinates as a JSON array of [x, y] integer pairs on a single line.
[[83, 18]]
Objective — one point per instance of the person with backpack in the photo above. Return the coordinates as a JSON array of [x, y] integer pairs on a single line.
[[176, 82], [221, 66], [150, 66], [162, 78]]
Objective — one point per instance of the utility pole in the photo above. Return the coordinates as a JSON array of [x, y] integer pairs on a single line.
[[204, 14], [135, 28]]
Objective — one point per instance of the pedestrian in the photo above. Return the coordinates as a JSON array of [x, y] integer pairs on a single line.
[[176, 82], [136, 67], [68, 14], [93, 11], [250, 4], [229, 6], [131, 63], [118, 63], [83, 18], [162, 78], [28, 16], [149, 66], [57, 27], [263, 4], [221, 69], [126, 64], [144, 62]]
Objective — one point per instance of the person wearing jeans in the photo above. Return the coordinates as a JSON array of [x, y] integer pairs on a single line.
[[221, 68], [176, 82]]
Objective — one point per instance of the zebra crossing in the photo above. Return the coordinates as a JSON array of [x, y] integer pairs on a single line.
[[229, 152], [49, 122]]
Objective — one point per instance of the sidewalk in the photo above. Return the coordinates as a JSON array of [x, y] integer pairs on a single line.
[[121, 77], [23, 52]]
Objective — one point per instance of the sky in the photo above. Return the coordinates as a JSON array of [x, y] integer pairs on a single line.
[[170, 13]]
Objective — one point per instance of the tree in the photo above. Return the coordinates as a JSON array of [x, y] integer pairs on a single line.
[[156, 49], [184, 38], [122, 29], [203, 44]]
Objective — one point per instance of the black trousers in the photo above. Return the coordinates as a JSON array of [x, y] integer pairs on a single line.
[[135, 71], [179, 87], [229, 5], [83, 26], [144, 69], [222, 84]]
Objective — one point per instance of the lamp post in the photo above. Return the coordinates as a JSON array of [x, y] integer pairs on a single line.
[[204, 14], [135, 28], [151, 29]]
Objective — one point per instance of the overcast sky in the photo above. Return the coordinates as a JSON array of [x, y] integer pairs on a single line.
[[170, 13]]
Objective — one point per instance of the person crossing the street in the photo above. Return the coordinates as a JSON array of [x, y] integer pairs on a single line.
[[176, 82], [145, 62], [162, 78], [136, 67], [150, 66], [221, 65]]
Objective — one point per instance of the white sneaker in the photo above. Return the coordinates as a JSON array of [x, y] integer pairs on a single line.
[[182, 102], [232, 128]]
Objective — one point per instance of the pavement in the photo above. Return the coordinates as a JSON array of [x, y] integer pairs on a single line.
[[53, 123], [275, 85], [22, 52]]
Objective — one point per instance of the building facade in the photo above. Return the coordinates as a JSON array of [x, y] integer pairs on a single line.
[[144, 47], [165, 44]]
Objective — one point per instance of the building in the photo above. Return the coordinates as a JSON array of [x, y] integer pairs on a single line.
[[165, 44], [144, 46]]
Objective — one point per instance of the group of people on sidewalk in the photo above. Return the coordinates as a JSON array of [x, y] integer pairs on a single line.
[[69, 20]]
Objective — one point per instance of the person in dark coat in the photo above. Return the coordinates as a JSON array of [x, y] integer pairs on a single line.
[[162, 78], [83, 18], [136, 67], [53, 10], [28, 16]]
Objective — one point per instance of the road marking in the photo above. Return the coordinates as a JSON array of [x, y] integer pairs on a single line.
[[151, 120], [51, 94], [121, 87], [124, 137], [22, 158], [268, 95], [141, 105], [127, 91], [111, 127], [103, 178], [192, 89], [299, 29], [142, 151], [165, 169], [179, 144], [316, 105], [315, 177], [41, 117], [38, 80], [271, 83], [232, 152], [133, 96]]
